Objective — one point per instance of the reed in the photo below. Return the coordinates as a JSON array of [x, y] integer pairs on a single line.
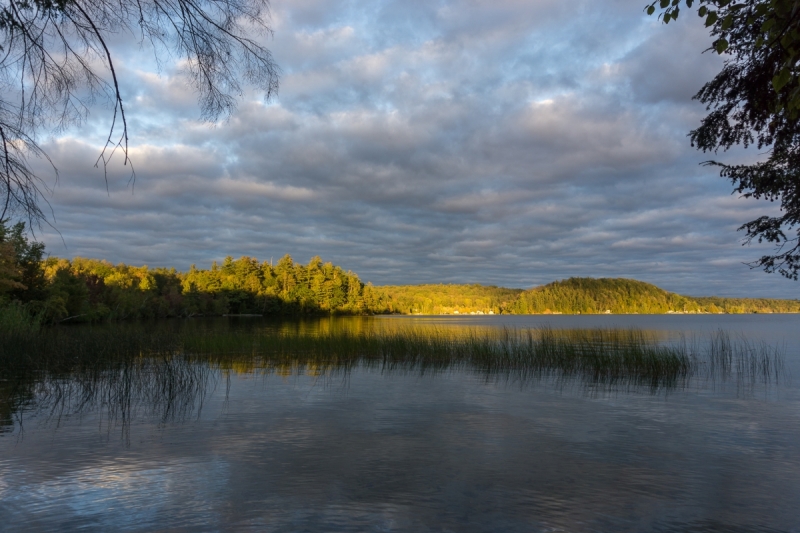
[[747, 361], [62, 350], [165, 371], [596, 355]]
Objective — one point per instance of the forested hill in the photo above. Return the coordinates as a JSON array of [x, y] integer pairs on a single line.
[[590, 295], [620, 295]]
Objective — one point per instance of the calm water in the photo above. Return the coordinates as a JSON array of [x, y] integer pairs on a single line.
[[367, 450]]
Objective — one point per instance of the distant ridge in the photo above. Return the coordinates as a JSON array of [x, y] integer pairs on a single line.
[[629, 296]]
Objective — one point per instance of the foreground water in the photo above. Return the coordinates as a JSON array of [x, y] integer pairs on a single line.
[[366, 449]]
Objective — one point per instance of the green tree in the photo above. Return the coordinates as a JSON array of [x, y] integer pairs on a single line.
[[9, 270], [20, 263], [755, 100]]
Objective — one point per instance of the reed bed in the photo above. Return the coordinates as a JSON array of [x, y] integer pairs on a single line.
[[167, 387], [745, 361], [59, 350], [595, 355], [167, 371]]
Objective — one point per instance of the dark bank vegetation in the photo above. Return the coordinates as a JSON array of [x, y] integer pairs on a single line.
[[38, 290]]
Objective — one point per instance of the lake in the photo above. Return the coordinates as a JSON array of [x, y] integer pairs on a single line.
[[237, 447]]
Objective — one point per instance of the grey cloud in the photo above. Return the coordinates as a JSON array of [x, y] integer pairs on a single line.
[[495, 144], [670, 65]]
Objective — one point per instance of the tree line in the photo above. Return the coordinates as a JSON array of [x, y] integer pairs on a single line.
[[446, 299], [57, 290]]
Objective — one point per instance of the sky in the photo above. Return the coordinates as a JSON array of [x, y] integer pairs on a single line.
[[511, 142]]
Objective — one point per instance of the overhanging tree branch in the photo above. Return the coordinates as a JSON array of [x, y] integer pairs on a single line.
[[48, 78], [755, 100]]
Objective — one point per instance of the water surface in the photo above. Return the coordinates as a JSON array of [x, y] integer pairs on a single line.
[[367, 449]]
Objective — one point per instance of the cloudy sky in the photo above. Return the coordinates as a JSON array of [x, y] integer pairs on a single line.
[[508, 142]]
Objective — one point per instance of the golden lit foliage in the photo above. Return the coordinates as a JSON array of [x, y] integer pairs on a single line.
[[619, 295], [55, 290], [446, 299]]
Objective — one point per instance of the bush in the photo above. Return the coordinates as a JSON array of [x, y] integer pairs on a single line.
[[16, 319]]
